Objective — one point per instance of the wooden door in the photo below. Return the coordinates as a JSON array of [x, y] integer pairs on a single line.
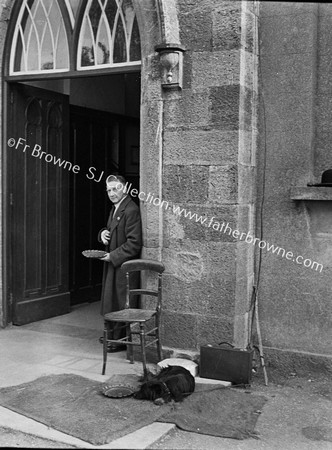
[[98, 143], [38, 196]]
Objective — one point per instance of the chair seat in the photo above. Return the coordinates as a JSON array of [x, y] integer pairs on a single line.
[[130, 315]]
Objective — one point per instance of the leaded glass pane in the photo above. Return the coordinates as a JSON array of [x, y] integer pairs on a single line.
[[119, 52], [19, 54], [135, 43], [61, 57], [39, 38], [46, 50], [113, 30], [74, 6], [87, 52], [40, 19], [111, 8], [128, 15], [103, 51], [109, 35], [33, 51], [95, 15]]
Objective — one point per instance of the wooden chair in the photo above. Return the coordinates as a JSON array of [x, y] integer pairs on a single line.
[[142, 317]]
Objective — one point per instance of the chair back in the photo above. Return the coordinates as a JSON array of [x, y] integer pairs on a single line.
[[135, 265], [138, 265]]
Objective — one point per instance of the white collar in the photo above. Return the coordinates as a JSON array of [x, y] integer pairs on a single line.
[[116, 205]]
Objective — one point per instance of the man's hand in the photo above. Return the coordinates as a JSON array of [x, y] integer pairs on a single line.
[[105, 236], [106, 258]]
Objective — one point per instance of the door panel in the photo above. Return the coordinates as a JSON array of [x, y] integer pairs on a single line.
[[39, 204], [92, 146], [98, 140]]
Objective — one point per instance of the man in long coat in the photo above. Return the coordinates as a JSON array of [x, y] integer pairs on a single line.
[[123, 240]]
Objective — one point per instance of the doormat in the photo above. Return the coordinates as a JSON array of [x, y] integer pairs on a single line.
[[223, 412], [76, 406]]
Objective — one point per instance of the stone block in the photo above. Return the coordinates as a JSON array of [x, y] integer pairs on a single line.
[[244, 295], [185, 184], [173, 228], [215, 296], [324, 67], [288, 34], [323, 113], [272, 8], [294, 307], [190, 110], [247, 147], [150, 91], [283, 111], [303, 364], [209, 258], [223, 184], [187, 69], [249, 34], [221, 259], [187, 266], [247, 108], [208, 224], [246, 184], [325, 9], [323, 156], [210, 295], [226, 26], [288, 73], [249, 70], [246, 219], [291, 151], [179, 330], [225, 103], [195, 18], [213, 330], [218, 68], [201, 147], [324, 33]]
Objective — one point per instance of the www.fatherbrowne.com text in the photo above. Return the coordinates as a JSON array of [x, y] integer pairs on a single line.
[[223, 227]]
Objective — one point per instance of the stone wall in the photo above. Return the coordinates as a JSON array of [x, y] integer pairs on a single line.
[[294, 149], [209, 143]]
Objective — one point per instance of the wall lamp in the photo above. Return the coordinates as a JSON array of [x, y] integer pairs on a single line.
[[171, 62]]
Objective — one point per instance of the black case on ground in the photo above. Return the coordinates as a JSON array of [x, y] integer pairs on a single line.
[[227, 364]]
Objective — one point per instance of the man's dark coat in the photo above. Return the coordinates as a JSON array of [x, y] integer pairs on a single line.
[[125, 243]]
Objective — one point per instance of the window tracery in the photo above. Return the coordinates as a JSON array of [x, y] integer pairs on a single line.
[[108, 36]]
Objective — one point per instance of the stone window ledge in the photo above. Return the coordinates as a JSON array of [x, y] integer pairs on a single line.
[[311, 193]]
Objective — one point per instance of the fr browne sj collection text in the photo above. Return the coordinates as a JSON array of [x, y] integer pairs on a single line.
[[36, 152]]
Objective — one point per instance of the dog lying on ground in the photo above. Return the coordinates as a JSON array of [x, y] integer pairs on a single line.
[[171, 383]]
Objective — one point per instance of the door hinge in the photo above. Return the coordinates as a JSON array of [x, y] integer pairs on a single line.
[[11, 201], [11, 299], [12, 97]]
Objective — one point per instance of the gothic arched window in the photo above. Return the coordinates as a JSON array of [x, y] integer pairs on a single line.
[[109, 34], [43, 41]]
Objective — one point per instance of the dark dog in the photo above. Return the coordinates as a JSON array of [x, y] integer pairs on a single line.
[[171, 383]]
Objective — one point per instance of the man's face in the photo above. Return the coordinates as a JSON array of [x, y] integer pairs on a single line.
[[115, 191]]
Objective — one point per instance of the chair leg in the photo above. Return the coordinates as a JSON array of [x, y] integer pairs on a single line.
[[105, 347], [158, 333], [130, 350], [142, 338]]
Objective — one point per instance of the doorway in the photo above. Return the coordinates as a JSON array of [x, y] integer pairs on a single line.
[[87, 128]]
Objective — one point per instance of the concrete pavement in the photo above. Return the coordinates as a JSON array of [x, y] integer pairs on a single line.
[[64, 344], [298, 414]]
